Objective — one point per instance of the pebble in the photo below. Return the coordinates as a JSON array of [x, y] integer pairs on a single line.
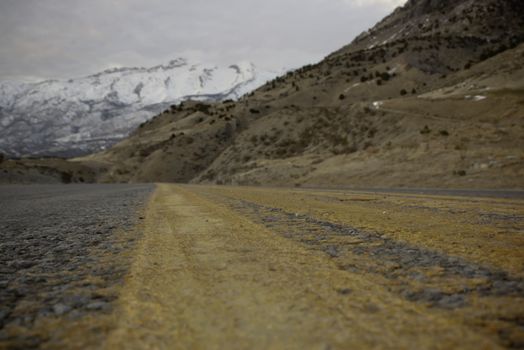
[[97, 305], [60, 309]]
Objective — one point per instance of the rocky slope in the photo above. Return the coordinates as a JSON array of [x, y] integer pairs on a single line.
[[432, 96], [79, 116]]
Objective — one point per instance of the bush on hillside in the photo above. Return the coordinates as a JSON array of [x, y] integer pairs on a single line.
[[385, 76], [426, 130], [66, 177]]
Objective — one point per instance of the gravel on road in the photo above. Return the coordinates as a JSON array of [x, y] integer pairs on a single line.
[[62, 250]]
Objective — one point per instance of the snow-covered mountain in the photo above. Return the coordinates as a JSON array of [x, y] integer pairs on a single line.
[[77, 116]]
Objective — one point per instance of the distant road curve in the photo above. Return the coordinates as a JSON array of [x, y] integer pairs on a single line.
[[509, 194]]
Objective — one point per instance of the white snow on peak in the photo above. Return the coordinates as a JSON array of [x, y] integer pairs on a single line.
[[82, 115]]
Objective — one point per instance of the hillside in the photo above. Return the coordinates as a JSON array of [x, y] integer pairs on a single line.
[[432, 96]]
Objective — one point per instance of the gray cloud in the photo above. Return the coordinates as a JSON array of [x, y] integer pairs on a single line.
[[65, 38]]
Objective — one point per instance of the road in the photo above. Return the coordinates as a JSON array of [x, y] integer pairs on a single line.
[[510, 194], [63, 252], [258, 268]]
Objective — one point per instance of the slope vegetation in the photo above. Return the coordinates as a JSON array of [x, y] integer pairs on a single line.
[[432, 96]]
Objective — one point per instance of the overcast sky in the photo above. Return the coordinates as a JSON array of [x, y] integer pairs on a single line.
[[71, 38]]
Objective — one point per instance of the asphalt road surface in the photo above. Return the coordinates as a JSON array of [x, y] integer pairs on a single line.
[[206, 267], [54, 247]]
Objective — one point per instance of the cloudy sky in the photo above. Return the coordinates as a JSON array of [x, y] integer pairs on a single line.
[[70, 38]]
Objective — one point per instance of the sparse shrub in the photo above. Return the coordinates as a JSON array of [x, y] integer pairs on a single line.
[[351, 149], [444, 132], [254, 111], [413, 91], [403, 92], [426, 130], [2, 158], [202, 107], [341, 97], [385, 76], [459, 172], [66, 177]]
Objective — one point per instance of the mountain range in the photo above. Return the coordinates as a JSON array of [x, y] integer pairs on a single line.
[[431, 96], [78, 116]]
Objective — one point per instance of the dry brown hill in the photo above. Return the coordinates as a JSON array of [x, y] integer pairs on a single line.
[[432, 96]]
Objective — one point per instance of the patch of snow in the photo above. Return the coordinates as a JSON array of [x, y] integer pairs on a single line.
[[351, 87], [475, 98], [392, 37], [393, 70], [377, 104]]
